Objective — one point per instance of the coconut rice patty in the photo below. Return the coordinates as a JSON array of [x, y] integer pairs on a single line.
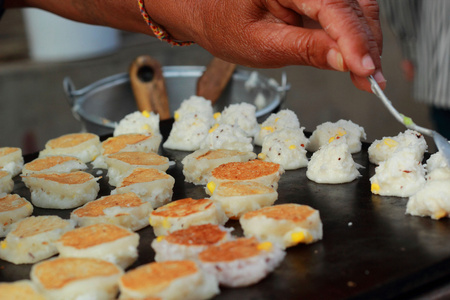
[[183, 280], [127, 210], [188, 243], [241, 262], [12, 209], [184, 213]]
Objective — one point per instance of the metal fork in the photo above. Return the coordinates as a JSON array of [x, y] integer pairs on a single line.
[[441, 143]]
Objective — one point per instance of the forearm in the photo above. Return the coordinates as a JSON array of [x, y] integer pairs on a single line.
[[123, 14]]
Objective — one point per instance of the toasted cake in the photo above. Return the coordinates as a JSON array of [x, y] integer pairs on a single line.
[[184, 213], [110, 242], [121, 163], [6, 182], [33, 239], [61, 190], [182, 280], [71, 278], [188, 243], [150, 185], [11, 160], [54, 164], [267, 173], [12, 209], [198, 165], [285, 224], [127, 210], [241, 262], [239, 197], [20, 290], [84, 146]]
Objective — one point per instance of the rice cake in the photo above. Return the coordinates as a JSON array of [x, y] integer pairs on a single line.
[[11, 160], [285, 224], [150, 185], [241, 262], [241, 114], [6, 182], [285, 118], [20, 290], [226, 136], [123, 162], [54, 164], [112, 243], [184, 213], [33, 239], [84, 146], [138, 122], [73, 278], [127, 210], [198, 165], [61, 190], [266, 173], [239, 197], [188, 243], [12, 209], [173, 280]]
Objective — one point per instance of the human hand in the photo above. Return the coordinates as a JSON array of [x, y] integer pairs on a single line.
[[343, 35]]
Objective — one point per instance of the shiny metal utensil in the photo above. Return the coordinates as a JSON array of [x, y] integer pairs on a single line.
[[441, 142]]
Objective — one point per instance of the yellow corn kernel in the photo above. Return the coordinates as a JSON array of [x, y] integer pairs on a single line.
[[266, 246], [166, 224], [439, 214], [262, 156], [292, 147], [213, 128], [3, 244], [160, 238], [217, 115], [145, 114], [176, 116], [211, 186], [276, 119], [331, 139], [269, 128], [301, 237], [341, 132], [390, 142], [146, 127], [375, 188]]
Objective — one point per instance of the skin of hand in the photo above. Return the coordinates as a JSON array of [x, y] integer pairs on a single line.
[[343, 35]]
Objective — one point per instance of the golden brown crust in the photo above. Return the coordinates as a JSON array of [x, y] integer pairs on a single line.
[[117, 143], [197, 235], [140, 175], [48, 162], [78, 177], [240, 248], [8, 150], [11, 202], [155, 277], [218, 153], [292, 212], [3, 173], [59, 272], [242, 188], [140, 158], [245, 170], [96, 208], [70, 140], [93, 235], [35, 225], [182, 208]]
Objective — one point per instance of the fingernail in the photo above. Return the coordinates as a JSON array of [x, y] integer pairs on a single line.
[[335, 60], [367, 62], [379, 78]]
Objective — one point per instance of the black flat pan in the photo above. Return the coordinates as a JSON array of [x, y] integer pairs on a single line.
[[370, 248]]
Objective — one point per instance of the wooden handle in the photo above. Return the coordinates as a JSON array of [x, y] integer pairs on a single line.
[[147, 83], [215, 78]]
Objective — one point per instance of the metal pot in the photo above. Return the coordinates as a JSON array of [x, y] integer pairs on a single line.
[[100, 105]]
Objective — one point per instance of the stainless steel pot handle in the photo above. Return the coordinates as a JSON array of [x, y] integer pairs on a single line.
[[69, 87]]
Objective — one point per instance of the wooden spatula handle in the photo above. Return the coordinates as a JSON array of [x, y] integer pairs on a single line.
[[148, 85], [215, 78]]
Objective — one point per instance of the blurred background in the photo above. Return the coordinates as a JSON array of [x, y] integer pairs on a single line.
[[34, 107]]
